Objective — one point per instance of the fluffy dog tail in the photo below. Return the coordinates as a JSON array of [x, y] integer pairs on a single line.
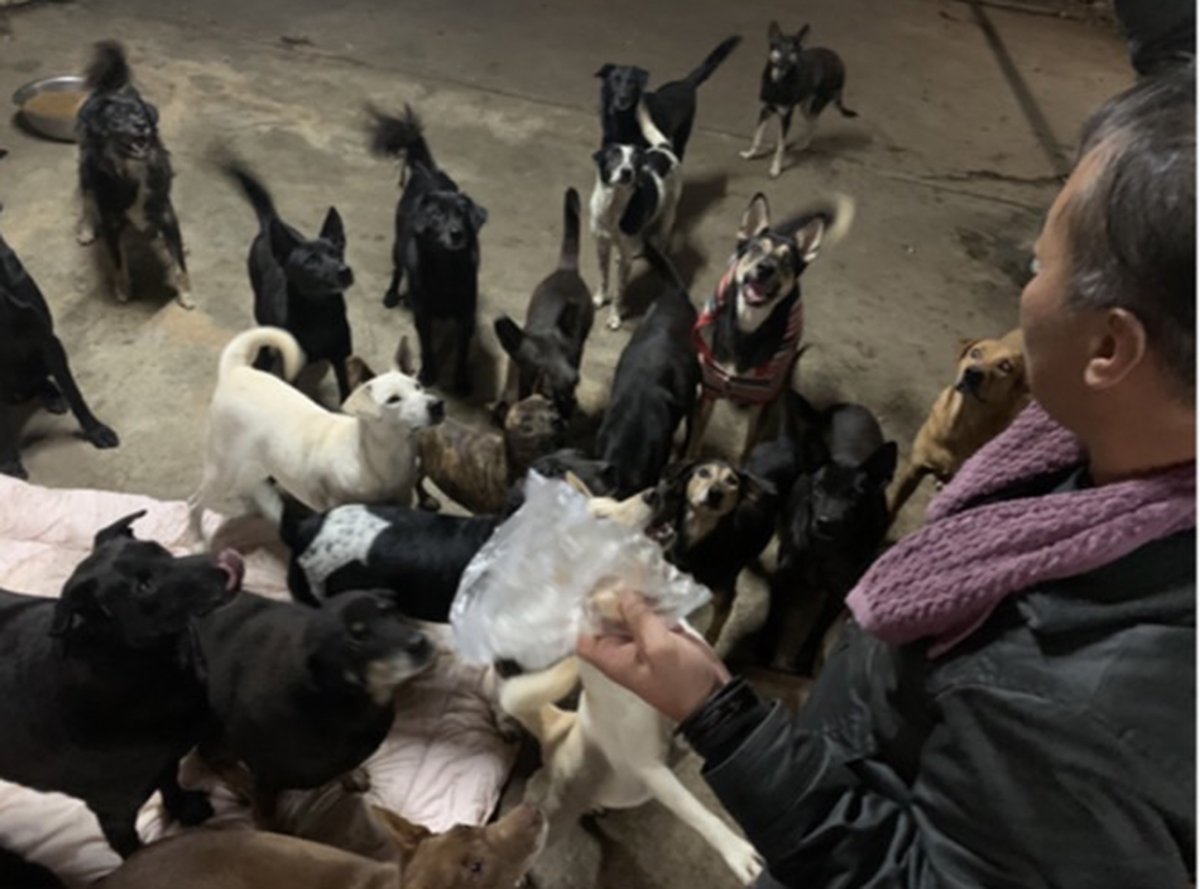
[[108, 70], [836, 211], [244, 348], [713, 61], [652, 133], [568, 256], [393, 136], [256, 193]]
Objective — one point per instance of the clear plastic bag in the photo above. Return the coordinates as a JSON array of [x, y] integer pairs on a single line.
[[525, 596]]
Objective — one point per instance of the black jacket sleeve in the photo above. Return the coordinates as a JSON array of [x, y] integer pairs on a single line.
[[1009, 790]]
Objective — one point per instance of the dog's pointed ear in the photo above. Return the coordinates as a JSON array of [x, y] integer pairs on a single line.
[[283, 241], [118, 530], [358, 371], [678, 472], [880, 467], [802, 33], [406, 835], [814, 453], [774, 32], [641, 77], [605, 70], [403, 359], [756, 219], [333, 231], [361, 405], [757, 485], [965, 345], [577, 483], [510, 335], [598, 159], [477, 214]]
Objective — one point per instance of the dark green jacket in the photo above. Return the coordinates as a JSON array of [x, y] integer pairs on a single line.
[[1054, 748]]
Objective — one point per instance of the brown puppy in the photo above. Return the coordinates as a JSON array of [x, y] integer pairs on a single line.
[[496, 856], [990, 390]]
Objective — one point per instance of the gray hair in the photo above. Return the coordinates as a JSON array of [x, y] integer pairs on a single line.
[[1132, 230]]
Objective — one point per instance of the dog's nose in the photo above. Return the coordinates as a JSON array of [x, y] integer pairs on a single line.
[[972, 377], [345, 276], [714, 497], [418, 647], [823, 524], [437, 411], [764, 269], [625, 176]]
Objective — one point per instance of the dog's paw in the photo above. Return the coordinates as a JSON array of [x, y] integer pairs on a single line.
[[391, 299], [14, 468], [507, 726], [749, 154], [599, 299], [191, 808], [184, 298], [614, 322], [356, 781], [775, 170], [101, 436], [85, 234], [744, 860], [52, 400]]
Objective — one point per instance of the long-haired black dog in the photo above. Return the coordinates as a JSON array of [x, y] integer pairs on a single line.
[[437, 244], [125, 175]]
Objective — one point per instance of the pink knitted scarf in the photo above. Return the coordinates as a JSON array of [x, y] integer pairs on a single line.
[[944, 580]]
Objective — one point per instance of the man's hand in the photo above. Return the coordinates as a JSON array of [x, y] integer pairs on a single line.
[[672, 670]]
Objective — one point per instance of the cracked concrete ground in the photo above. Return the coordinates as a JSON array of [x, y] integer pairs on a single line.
[[949, 176]]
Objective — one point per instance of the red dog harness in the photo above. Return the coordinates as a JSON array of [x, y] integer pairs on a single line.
[[758, 385]]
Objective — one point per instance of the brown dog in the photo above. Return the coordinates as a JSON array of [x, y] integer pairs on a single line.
[[989, 392]]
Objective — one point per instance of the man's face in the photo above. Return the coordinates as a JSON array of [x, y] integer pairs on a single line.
[[1059, 340]]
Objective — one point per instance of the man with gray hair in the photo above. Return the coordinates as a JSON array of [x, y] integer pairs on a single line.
[[1014, 704]]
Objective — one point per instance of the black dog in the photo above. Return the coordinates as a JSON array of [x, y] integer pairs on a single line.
[[654, 387], [417, 556], [672, 106], [548, 352], [101, 691], [33, 363], [125, 175], [298, 283], [437, 245], [302, 695], [795, 77], [836, 515], [713, 520]]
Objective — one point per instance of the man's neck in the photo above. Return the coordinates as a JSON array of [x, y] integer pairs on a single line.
[[1152, 440]]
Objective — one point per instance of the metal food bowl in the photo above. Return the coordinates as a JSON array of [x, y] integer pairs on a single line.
[[57, 126]]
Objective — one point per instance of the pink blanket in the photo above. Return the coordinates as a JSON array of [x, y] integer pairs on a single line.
[[444, 762]]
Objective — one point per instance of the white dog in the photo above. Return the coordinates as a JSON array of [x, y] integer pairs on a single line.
[[260, 428], [634, 200], [612, 752]]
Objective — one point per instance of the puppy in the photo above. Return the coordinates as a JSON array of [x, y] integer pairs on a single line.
[[547, 353], [989, 392], [33, 362], [125, 175], [653, 389], [303, 695], [672, 106], [712, 521], [836, 515], [417, 556], [748, 336], [261, 429], [610, 754], [795, 77], [437, 245], [101, 690], [633, 204], [496, 856], [299, 283]]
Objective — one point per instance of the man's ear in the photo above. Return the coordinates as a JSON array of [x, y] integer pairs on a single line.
[[360, 404], [282, 241], [118, 530], [333, 231], [510, 335], [605, 70], [774, 32], [756, 219], [881, 465]]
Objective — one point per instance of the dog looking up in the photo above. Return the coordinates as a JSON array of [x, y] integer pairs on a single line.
[[436, 246], [262, 432], [748, 336], [633, 204], [653, 388], [33, 362], [125, 175], [989, 392], [672, 105], [299, 283], [546, 355], [795, 77]]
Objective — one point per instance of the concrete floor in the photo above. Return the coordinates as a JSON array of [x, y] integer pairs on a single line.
[[949, 174]]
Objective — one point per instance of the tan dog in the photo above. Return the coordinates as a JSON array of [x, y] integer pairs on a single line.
[[989, 392]]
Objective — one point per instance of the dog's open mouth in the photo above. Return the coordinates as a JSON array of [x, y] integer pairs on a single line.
[[231, 563], [662, 533], [758, 293]]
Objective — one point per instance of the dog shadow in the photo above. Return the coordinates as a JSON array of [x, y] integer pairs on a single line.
[[699, 194], [839, 143], [148, 278]]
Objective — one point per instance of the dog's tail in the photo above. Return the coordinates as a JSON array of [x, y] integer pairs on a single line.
[[568, 256], [663, 267], [846, 112], [836, 211], [256, 193], [108, 70], [650, 132], [244, 348], [393, 136], [713, 61]]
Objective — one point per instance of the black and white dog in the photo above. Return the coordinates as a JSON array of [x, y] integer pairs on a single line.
[[795, 77], [437, 245], [634, 201], [125, 175], [672, 106], [298, 283]]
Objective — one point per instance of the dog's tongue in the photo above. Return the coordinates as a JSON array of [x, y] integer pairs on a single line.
[[754, 293], [230, 561]]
